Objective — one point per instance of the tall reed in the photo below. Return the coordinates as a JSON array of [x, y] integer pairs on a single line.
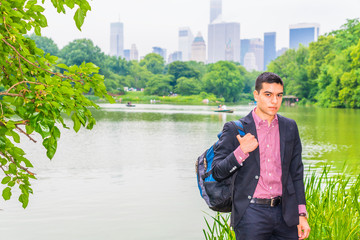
[[332, 203]]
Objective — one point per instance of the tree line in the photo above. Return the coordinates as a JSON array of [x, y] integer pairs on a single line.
[[224, 79], [327, 72]]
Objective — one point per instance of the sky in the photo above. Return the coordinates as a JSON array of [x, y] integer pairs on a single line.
[[149, 23]]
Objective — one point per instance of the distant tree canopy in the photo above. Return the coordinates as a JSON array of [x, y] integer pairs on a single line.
[[327, 72], [46, 44]]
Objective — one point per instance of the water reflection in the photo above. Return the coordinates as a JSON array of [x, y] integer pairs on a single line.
[[135, 170]]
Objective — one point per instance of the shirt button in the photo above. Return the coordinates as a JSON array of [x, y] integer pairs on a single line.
[[268, 160], [249, 197], [270, 188], [256, 177], [267, 145], [269, 174]]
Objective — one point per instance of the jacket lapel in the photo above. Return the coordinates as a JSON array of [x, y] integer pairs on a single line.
[[282, 131], [249, 127]]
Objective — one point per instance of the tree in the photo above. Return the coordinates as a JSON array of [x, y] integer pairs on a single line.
[[82, 50], [154, 63], [182, 69], [159, 84], [35, 93], [46, 44], [224, 80], [188, 86]]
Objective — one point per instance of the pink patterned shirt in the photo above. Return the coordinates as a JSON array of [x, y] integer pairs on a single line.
[[269, 184]]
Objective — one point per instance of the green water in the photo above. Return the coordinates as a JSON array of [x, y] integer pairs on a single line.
[[133, 175]]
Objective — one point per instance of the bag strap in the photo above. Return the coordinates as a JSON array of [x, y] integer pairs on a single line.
[[239, 126]]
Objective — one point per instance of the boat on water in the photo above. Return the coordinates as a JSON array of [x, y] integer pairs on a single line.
[[129, 104], [224, 110]]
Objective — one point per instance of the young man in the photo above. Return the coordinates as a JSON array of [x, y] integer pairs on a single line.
[[267, 170]]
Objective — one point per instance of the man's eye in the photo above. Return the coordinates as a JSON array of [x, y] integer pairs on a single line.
[[267, 94]]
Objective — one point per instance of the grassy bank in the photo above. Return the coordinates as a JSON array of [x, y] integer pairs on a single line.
[[333, 205], [140, 97]]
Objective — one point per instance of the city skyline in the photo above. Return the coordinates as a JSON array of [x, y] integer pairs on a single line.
[[156, 23]]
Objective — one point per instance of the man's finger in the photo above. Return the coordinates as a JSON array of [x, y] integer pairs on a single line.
[[238, 137]]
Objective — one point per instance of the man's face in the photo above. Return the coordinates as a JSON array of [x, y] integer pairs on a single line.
[[269, 99]]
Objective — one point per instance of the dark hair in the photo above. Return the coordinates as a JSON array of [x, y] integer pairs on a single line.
[[267, 77]]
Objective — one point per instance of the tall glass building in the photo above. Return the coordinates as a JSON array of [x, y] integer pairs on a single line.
[[215, 9], [117, 39], [198, 49], [223, 41], [303, 33], [160, 51], [244, 48], [269, 47], [185, 40]]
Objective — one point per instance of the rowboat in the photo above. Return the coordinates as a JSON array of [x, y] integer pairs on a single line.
[[224, 110]]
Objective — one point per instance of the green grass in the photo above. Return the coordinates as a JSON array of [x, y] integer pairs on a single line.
[[332, 203]]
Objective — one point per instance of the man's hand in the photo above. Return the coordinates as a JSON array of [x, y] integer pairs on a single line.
[[303, 228], [248, 143]]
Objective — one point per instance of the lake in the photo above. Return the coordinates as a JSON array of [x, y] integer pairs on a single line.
[[133, 175]]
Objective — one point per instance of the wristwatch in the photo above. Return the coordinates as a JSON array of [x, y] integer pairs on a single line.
[[303, 215]]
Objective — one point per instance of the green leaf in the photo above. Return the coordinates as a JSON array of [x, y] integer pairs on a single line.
[[64, 66], [15, 136], [29, 129], [79, 18], [2, 142], [6, 179], [76, 121], [24, 199], [6, 193], [51, 152], [12, 168], [38, 30], [56, 133]]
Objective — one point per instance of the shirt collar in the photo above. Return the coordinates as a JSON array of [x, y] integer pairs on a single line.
[[258, 121]]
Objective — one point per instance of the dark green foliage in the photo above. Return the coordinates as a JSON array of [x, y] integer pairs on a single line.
[[224, 80], [154, 63], [182, 69], [34, 94], [46, 44], [326, 72]]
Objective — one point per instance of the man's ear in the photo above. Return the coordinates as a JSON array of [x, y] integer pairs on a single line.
[[256, 95]]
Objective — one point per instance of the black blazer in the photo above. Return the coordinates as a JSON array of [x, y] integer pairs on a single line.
[[247, 174]]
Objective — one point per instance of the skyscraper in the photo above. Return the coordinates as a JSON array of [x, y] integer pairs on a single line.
[[257, 47], [303, 33], [127, 54], [134, 54], [215, 9], [223, 41], [198, 49], [185, 40], [160, 51], [117, 39], [269, 47], [175, 56], [254, 56], [244, 48]]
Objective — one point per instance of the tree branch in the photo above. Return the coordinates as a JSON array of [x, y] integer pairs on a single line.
[[22, 131], [18, 165], [33, 64]]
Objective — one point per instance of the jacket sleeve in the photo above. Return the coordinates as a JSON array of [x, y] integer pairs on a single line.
[[297, 168], [225, 163]]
